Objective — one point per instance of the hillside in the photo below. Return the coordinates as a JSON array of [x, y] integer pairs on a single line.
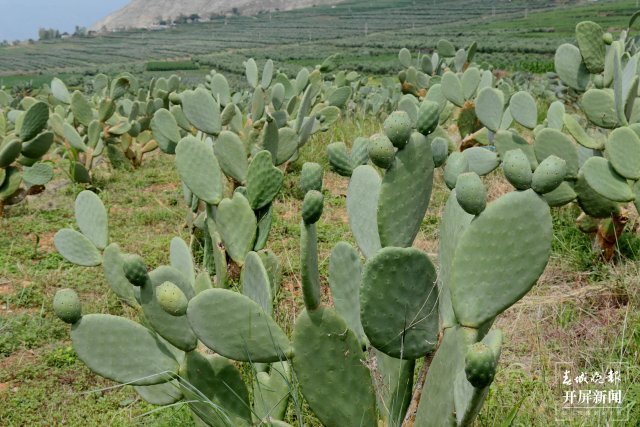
[[145, 13]]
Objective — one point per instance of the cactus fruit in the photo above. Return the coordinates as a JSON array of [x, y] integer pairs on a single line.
[[135, 270], [312, 207], [171, 299], [480, 365], [397, 127], [471, 193], [381, 151], [67, 306]]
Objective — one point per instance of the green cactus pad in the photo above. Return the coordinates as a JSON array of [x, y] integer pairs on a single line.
[[398, 128], [471, 193], [236, 327], [257, 104], [265, 221], [591, 202], [549, 174], [199, 169], [172, 299], [360, 151], [362, 202], [470, 81], [165, 131], [67, 306], [579, 134], [232, 156], [623, 152], [237, 226], [428, 116], [38, 146], [440, 150], [437, 403], [345, 273], [112, 265], [340, 97], [202, 110], [480, 160], [91, 217], [456, 165], [215, 390], [309, 266], [9, 152], [81, 108], [555, 115], [38, 174], [480, 365], [517, 169], [452, 88], [599, 107], [523, 109], [553, 142], [604, 180], [381, 151], [59, 91], [263, 180], [454, 222], [570, 67], [255, 282], [34, 120], [405, 57], [122, 350], [482, 281], [271, 392], [77, 248], [562, 195], [160, 394], [329, 365], [408, 327], [311, 177], [312, 207], [203, 282], [405, 193], [339, 158], [181, 259], [251, 72], [445, 48], [589, 36], [507, 141], [490, 107]]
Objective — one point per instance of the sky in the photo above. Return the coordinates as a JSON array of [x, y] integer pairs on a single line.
[[21, 19]]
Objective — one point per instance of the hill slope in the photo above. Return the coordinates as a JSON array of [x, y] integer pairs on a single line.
[[144, 13]]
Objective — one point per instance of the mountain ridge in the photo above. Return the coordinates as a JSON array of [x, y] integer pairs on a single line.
[[146, 13]]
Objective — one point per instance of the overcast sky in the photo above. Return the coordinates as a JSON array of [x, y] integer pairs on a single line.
[[20, 19]]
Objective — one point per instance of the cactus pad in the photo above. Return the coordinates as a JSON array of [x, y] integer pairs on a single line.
[[440, 150], [202, 110], [483, 282], [362, 202], [231, 155], [237, 226], [91, 217], [553, 142], [311, 177], [623, 152], [77, 248], [428, 117], [589, 36], [199, 169], [234, 326], [490, 107], [549, 175], [172, 299], [599, 107], [570, 67], [125, 352], [604, 180], [271, 392], [339, 158], [405, 193], [523, 109], [330, 367], [456, 165], [406, 328], [263, 180], [255, 282], [398, 128]]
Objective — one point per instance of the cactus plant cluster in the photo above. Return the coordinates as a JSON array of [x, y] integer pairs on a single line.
[[395, 307]]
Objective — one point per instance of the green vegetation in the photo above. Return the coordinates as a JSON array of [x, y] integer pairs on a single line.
[[171, 65], [324, 247]]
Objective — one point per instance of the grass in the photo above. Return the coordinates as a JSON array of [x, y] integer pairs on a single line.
[[580, 312]]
